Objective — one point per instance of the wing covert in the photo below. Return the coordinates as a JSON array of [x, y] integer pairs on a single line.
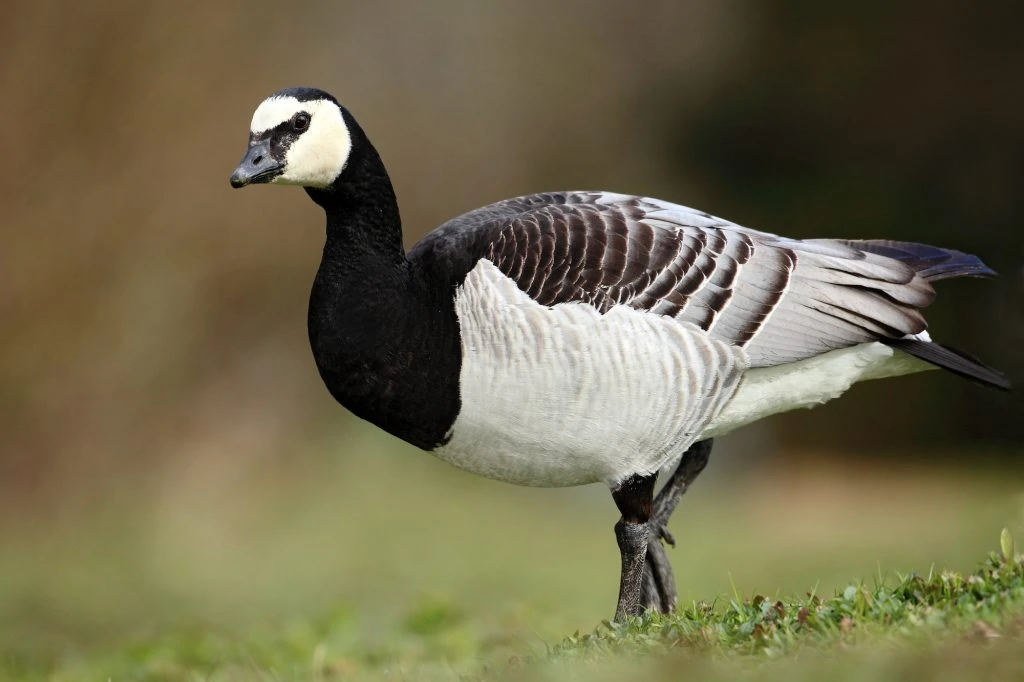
[[780, 299]]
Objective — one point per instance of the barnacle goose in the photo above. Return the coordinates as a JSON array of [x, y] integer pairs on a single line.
[[577, 337]]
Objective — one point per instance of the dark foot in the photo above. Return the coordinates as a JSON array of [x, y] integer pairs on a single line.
[[658, 591]]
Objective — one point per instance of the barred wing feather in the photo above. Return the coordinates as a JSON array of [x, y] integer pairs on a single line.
[[782, 300]]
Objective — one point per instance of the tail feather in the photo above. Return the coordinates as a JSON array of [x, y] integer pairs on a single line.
[[953, 360], [930, 262]]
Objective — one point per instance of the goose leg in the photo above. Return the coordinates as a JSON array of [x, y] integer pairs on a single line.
[[634, 497], [658, 590]]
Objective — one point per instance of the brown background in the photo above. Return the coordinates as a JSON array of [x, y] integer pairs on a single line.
[[154, 319]]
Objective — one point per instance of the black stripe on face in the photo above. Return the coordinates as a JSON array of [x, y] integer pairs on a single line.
[[282, 136]]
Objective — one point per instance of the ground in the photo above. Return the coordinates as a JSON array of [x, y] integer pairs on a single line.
[[388, 565]]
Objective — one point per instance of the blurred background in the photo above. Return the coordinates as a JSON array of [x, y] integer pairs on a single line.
[[167, 451]]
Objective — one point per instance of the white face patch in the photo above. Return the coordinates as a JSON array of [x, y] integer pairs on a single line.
[[319, 154], [272, 112]]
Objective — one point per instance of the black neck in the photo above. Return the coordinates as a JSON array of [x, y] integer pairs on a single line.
[[385, 342]]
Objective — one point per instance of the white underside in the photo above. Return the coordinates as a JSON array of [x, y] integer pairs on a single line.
[[808, 383], [566, 396]]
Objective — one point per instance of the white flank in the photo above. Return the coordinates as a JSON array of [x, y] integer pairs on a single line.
[[319, 154], [565, 396], [808, 383]]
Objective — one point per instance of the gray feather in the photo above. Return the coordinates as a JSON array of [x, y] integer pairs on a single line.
[[780, 299]]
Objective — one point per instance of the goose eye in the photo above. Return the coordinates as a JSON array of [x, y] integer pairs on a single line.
[[301, 122]]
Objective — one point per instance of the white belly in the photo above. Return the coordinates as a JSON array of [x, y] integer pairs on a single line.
[[565, 396]]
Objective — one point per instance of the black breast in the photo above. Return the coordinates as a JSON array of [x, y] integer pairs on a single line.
[[386, 342]]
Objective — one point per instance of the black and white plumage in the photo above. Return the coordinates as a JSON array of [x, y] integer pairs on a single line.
[[577, 337]]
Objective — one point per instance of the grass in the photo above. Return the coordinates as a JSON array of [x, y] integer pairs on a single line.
[[920, 618], [913, 606], [289, 577]]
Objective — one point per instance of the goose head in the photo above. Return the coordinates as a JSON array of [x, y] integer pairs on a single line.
[[298, 136]]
